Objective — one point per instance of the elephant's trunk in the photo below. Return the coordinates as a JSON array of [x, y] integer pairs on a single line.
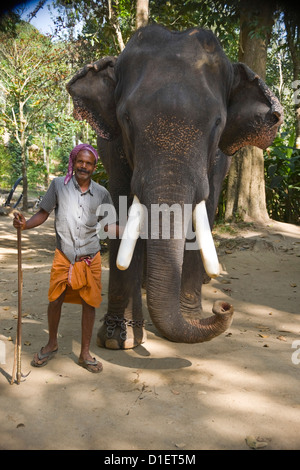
[[163, 296], [164, 263]]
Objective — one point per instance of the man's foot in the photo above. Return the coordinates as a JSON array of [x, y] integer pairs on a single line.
[[91, 365], [41, 358]]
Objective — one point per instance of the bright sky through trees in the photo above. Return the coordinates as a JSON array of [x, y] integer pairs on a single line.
[[43, 19]]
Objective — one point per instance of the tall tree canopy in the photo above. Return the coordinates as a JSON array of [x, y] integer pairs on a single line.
[[263, 34], [30, 74]]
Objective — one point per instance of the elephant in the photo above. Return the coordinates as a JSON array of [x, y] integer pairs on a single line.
[[169, 112]]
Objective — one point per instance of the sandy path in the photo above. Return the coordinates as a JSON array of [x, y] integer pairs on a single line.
[[161, 395]]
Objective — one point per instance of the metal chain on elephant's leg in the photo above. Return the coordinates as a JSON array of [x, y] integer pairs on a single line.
[[123, 331], [113, 321]]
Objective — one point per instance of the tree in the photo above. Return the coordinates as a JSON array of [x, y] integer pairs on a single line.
[[293, 40], [106, 25], [142, 13], [246, 186], [30, 74], [114, 20], [102, 19]]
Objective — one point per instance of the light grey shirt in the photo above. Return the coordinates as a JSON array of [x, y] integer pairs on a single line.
[[77, 216]]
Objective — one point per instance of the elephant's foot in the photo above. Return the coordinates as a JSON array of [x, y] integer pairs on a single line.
[[119, 333]]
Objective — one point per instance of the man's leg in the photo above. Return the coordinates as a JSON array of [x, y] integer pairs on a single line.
[[54, 312], [87, 325]]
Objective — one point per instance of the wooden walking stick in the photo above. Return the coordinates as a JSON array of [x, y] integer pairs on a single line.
[[17, 356]]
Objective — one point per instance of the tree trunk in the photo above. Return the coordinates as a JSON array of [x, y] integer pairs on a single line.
[[24, 174], [116, 25], [46, 154], [22, 140], [246, 184], [142, 13]]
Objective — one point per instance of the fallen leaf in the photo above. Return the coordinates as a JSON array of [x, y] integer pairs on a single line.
[[255, 443], [181, 445], [175, 392], [281, 338], [20, 425], [27, 343], [263, 336]]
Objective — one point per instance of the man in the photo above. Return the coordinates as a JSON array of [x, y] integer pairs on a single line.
[[76, 270]]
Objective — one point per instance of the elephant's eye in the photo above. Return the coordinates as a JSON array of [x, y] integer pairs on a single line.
[[218, 121]]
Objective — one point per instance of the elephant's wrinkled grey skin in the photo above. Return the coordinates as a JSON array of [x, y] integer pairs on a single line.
[[169, 113]]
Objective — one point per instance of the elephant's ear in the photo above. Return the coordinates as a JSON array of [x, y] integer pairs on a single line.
[[253, 114], [92, 90]]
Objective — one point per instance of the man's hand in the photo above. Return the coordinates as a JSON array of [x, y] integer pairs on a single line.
[[19, 221], [37, 219], [114, 230]]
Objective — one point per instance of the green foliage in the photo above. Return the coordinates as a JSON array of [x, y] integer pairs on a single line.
[[49, 108], [220, 212], [9, 22], [211, 14], [36, 173], [98, 36], [279, 73], [5, 167], [64, 140], [100, 175], [282, 177], [15, 161]]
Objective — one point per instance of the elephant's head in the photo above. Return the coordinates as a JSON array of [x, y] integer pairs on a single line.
[[175, 99]]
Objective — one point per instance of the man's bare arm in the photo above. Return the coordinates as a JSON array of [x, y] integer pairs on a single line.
[[37, 219]]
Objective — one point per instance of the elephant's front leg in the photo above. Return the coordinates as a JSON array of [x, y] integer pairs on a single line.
[[123, 325]]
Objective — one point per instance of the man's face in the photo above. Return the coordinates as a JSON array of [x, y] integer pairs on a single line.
[[84, 165]]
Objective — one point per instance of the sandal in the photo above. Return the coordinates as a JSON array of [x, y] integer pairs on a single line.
[[40, 356], [92, 366]]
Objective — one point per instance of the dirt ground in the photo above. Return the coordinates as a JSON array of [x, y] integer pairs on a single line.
[[237, 392]]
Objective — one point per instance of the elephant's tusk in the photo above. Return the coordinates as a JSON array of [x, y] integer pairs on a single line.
[[205, 240], [130, 235]]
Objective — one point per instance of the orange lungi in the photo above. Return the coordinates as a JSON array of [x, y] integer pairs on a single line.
[[82, 280]]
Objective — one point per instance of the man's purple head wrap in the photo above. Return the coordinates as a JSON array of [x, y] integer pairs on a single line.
[[73, 156]]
